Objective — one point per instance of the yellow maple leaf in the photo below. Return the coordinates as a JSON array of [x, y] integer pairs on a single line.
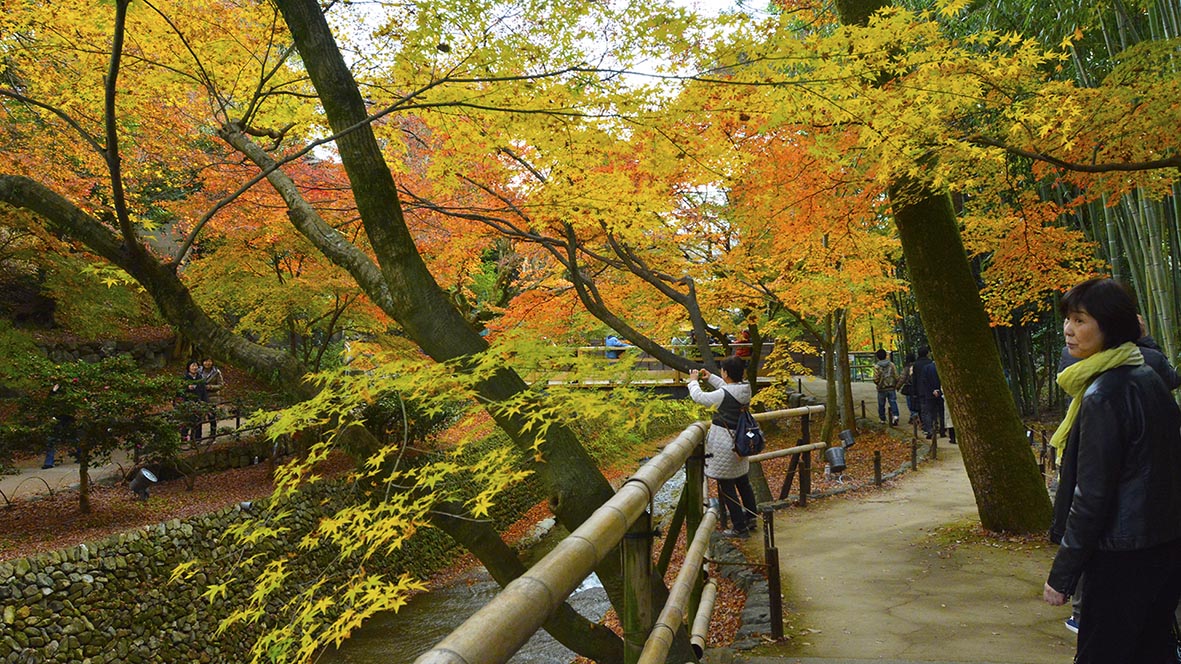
[[951, 7]]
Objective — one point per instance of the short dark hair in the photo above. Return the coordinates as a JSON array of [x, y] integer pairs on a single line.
[[1111, 305], [881, 353], [909, 358], [924, 351], [734, 367]]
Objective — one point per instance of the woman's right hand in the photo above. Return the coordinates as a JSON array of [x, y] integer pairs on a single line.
[[694, 374]]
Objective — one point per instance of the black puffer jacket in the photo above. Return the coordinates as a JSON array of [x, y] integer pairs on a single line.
[[1120, 486]]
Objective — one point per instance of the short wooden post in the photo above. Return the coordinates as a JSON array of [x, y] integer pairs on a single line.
[[863, 409], [791, 476], [695, 489], [877, 467], [805, 429], [771, 558], [934, 448], [914, 453], [695, 510], [806, 479], [800, 385], [638, 616]]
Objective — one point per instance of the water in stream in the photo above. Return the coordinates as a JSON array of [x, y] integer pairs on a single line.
[[398, 638]]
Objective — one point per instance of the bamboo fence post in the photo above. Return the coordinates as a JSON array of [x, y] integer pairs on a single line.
[[638, 615]]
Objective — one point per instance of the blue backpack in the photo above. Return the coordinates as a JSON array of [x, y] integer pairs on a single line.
[[748, 437]]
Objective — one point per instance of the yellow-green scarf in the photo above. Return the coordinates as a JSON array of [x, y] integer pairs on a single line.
[[1075, 379]]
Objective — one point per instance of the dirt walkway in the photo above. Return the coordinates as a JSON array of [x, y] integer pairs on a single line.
[[869, 578]]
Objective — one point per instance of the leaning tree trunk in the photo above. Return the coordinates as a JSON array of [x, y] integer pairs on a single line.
[[1010, 493], [422, 308]]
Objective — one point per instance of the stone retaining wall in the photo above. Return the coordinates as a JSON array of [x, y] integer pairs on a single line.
[[147, 354], [111, 601]]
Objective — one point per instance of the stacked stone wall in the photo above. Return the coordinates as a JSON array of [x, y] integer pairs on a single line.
[[147, 354], [112, 600]]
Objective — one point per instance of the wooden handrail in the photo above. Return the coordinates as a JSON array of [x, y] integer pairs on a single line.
[[774, 454], [787, 412]]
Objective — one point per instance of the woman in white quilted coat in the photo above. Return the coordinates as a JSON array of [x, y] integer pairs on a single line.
[[730, 394]]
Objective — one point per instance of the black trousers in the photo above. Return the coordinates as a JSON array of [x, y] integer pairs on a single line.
[[1126, 608], [731, 490], [932, 413]]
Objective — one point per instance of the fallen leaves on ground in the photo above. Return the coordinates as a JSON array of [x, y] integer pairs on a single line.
[[51, 523], [55, 522]]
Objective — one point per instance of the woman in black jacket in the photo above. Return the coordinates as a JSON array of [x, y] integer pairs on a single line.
[[1117, 513]]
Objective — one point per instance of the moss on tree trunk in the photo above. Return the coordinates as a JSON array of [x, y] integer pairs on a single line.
[[1010, 493]]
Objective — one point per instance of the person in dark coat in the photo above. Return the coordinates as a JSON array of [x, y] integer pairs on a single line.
[[906, 387], [932, 400], [1117, 510], [192, 392], [921, 391]]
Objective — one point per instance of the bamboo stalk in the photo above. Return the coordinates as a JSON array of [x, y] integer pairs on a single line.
[[786, 452], [699, 635]]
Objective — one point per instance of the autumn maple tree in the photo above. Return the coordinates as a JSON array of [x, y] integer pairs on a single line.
[[455, 174]]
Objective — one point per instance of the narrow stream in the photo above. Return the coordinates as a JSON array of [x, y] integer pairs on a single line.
[[399, 638]]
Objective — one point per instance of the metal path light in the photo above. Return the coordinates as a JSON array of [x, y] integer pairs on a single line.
[[142, 481]]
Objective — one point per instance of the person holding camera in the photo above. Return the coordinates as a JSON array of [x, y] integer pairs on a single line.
[[729, 394]]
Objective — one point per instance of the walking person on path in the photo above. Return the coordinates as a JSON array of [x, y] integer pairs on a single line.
[[921, 392], [885, 378], [1154, 358], [906, 387], [1117, 512], [730, 394], [933, 400], [64, 433]]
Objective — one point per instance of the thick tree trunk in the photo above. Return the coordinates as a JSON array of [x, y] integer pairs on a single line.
[[1010, 493]]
